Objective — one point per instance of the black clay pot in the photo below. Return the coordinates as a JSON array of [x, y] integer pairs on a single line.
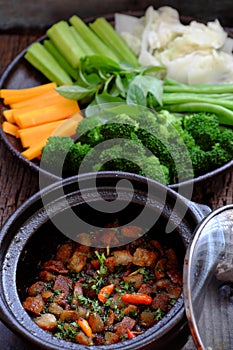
[[33, 232]]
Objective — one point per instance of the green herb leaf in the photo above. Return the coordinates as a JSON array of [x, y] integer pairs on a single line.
[[96, 62], [76, 92], [107, 98], [136, 95], [120, 86], [147, 84]]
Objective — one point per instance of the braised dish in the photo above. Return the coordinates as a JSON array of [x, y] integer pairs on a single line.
[[29, 239], [97, 296]]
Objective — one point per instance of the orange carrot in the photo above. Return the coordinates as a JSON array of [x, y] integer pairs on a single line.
[[44, 99], [105, 292], [30, 136], [8, 115], [10, 128], [84, 325], [130, 334], [46, 114], [15, 95], [34, 151], [36, 114], [68, 126], [137, 299]]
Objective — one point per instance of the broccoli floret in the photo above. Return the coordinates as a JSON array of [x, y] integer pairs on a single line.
[[213, 146], [119, 126], [74, 159], [162, 134], [226, 141], [122, 154], [88, 131], [218, 156], [206, 161], [178, 156], [204, 128], [200, 161], [54, 154], [149, 134], [153, 169]]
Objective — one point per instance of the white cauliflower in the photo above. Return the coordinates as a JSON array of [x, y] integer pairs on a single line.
[[192, 54]]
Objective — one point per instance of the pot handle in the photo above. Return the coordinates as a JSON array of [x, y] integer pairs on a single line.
[[203, 209]]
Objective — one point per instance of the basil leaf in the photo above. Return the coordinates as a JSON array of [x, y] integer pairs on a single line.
[[148, 83], [93, 79], [106, 98], [96, 62], [135, 95], [120, 86], [76, 92]]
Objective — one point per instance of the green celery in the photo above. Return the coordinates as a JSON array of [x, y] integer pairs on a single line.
[[91, 38], [65, 42], [60, 58], [112, 39], [84, 46], [41, 59]]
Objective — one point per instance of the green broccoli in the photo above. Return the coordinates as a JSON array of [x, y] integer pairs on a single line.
[[166, 147], [204, 128], [88, 131], [162, 134], [119, 126], [74, 159], [213, 146], [153, 169], [148, 133], [54, 154], [226, 140], [122, 155], [206, 161]]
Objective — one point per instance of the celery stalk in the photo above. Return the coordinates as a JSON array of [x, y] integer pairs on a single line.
[[62, 38], [60, 58], [110, 37], [91, 38], [42, 60], [84, 46]]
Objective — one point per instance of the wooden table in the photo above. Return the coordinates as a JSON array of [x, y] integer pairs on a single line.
[[17, 183]]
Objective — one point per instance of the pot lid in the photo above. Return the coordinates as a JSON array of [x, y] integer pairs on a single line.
[[208, 281]]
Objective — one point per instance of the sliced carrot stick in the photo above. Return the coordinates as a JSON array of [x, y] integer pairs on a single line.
[[8, 115], [69, 126], [15, 95], [44, 99], [10, 128], [30, 136], [46, 114], [34, 151]]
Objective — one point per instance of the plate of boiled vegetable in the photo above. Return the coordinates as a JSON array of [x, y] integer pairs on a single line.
[[147, 94]]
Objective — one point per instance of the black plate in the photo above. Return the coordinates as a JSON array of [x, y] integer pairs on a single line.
[[21, 74]]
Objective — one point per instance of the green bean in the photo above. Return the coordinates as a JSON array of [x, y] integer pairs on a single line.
[[225, 115]]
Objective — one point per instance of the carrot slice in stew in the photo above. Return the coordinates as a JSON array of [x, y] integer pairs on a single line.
[[137, 299], [105, 292]]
